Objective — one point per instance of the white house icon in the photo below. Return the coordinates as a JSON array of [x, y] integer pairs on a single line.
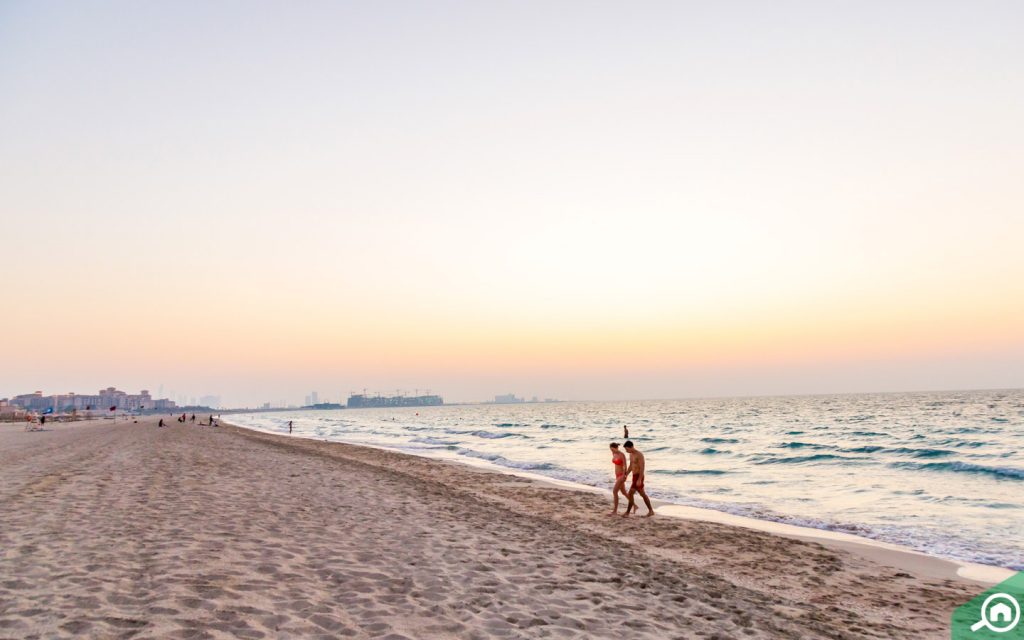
[[1000, 612]]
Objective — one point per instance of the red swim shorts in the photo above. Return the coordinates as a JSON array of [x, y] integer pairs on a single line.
[[638, 482]]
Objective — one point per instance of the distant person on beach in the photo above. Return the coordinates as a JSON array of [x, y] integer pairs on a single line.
[[636, 467], [193, 418], [161, 423], [289, 426], [211, 422], [625, 432], [619, 465]]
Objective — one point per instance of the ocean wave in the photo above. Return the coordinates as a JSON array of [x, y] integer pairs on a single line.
[[960, 444], [510, 424], [434, 441], [864, 449], [858, 418], [711, 451], [909, 451], [690, 472], [868, 434], [490, 435], [820, 457], [720, 440], [921, 453], [969, 430], [802, 445], [1011, 473], [506, 462]]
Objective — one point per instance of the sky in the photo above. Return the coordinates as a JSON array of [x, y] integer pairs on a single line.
[[581, 200]]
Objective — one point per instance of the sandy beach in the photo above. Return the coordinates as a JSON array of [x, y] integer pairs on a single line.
[[129, 531]]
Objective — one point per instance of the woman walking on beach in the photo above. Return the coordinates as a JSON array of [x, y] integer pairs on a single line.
[[619, 465]]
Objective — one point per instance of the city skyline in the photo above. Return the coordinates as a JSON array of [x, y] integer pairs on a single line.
[[497, 398], [581, 201]]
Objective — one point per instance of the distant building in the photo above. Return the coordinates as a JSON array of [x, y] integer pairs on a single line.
[[210, 401], [508, 398], [361, 401], [101, 401], [9, 411], [30, 401]]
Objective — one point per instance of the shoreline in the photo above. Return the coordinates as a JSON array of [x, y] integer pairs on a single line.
[[894, 555], [122, 529]]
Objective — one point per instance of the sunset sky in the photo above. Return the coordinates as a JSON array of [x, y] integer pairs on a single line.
[[573, 199]]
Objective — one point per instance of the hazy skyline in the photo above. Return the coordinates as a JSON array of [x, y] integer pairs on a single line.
[[574, 200]]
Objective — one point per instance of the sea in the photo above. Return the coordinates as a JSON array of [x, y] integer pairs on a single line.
[[942, 473]]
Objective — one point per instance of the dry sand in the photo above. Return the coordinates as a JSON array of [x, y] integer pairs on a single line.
[[125, 530]]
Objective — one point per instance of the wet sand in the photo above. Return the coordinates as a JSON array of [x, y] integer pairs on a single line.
[[125, 530]]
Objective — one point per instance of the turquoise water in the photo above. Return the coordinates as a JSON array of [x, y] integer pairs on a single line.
[[939, 472]]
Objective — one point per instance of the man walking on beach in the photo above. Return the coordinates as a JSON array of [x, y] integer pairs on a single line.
[[636, 467]]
